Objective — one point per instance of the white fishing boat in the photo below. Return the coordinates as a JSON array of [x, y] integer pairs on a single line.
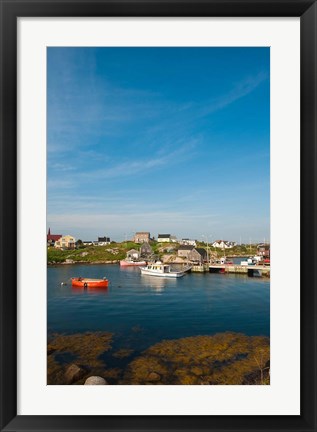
[[161, 270]]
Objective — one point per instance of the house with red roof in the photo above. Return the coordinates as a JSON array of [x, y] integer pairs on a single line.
[[52, 238]]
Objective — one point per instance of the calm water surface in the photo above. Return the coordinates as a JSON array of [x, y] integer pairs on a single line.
[[143, 310]]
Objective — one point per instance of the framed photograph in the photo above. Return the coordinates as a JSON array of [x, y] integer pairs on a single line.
[[158, 193]]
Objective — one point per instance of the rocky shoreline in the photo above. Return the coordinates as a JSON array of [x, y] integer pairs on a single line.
[[71, 262], [171, 259]]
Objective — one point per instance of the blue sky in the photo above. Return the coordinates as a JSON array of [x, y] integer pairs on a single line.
[[166, 140]]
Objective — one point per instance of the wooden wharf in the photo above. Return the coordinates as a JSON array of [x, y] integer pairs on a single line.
[[200, 268], [250, 270]]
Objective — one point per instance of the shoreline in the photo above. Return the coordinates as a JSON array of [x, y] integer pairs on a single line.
[[71, 262], [117, 261]]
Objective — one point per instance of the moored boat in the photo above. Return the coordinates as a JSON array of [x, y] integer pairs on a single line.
[[161, 270], [223, 261], [252, 261], [128, 262], [80, 282]]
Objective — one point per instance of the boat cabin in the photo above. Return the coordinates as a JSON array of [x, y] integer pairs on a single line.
[[159, 267]]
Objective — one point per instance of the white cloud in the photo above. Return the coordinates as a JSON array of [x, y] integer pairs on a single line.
[[243, 88]]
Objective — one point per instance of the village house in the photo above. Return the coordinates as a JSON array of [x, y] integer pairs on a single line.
[[146, 250], [223, 244], [52, 238], [232, 244], [141, 237], [133, 254], [198, 255], [184, 251], [166, 238], [263, 250], [187, 241], [66, 242], [102, 241]]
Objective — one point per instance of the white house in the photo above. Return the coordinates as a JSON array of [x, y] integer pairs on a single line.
[[189, 242], [223, 244], [66, 242], [102, 241], [133, 253], [166, 238]]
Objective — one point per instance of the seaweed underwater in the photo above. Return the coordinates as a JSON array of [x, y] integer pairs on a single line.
[[220, 359]]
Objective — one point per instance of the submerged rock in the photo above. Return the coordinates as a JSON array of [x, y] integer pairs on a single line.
[[85, 348], [74, 373], [153, 377], [141, 371], [95, 380]]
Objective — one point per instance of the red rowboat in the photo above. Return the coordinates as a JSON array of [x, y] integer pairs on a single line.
[[89, 283]]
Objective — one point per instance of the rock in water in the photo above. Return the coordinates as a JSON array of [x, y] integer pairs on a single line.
[[153, 377], [95, 380], [74, 373]]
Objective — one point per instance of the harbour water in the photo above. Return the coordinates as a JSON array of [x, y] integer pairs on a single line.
[[143, 310]]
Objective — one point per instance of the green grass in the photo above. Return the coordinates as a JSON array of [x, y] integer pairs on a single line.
[[90, 254]]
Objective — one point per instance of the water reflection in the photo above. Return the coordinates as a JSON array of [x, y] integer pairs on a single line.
[[81, 290], [157, 284], [130, 269]]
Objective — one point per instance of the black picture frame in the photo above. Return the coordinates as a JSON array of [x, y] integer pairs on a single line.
[[10, 11]]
